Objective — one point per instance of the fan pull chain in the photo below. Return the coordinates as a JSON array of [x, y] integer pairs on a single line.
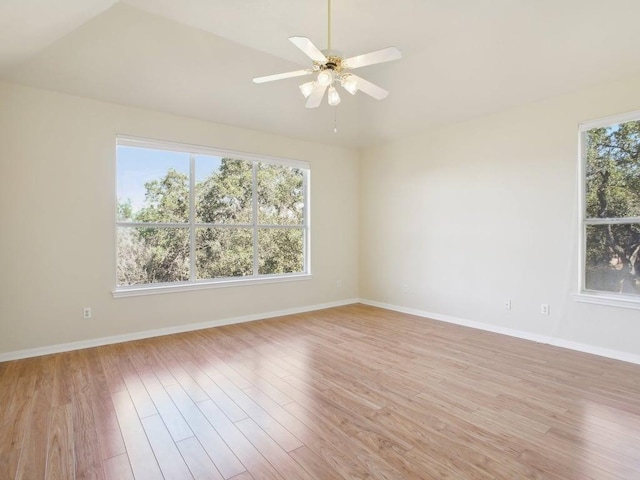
[[335, 120]]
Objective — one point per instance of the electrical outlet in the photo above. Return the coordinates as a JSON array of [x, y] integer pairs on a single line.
[[338, 283], [86, 312], [405, 288], [544, 309], [507, 304]]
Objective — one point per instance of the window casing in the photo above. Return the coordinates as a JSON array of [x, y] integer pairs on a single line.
[[193, 217], [610, 211]]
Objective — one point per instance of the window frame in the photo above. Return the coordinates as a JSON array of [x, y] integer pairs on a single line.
[[585, 295], [193, 283]]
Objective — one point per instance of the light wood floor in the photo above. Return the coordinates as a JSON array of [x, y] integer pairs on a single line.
[[350, 392]]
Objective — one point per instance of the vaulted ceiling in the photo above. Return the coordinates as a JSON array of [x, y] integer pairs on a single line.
[[461, 58]]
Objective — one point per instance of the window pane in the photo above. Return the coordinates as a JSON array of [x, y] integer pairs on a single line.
[[152, 255], [153, 185], [223, 190], [224, 252], [613, 258], [280, 195], [613, 171], [281, 250]]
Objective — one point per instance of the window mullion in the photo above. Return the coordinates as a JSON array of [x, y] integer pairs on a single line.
[[152, 225], [192, 217], [254, 200], [611, 221]]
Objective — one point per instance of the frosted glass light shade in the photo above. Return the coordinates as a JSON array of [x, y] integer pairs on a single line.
[[333, 97], [325, 77], [307, 88], [350, 84]]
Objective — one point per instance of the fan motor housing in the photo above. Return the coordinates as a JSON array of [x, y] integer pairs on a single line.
[[334, 61]]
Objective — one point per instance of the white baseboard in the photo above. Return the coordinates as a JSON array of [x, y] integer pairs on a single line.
[[558, 342], [96, 342]]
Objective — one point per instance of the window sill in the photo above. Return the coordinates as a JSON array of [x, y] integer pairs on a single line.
[[609, 300], [135, 291]]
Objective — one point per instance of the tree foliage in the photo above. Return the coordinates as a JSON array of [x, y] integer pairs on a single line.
[[613, 191], [224, 231]]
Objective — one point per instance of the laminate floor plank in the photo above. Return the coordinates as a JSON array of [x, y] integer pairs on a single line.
[[14, 426], [187, 380], [278, 432], [87, 455], [60, 447], [223, 457], [251, 458], [109, 357], [99, 401], [117, 468], [33, 456], [139, 395], [217, 394], [330, 442], [143, 461], [315, 466], [167, 454], [173, 419], [279, 458], [155, 358], [243, 476], [353, 392], [199, 463]]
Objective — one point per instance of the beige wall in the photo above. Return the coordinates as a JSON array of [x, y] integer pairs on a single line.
[[472, 214], [465, 216], [57, 200]]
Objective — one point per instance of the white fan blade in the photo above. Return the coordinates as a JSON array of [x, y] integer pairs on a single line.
[[280, 76], [370, 88], [309, 49], [379, 56], [315, 99]]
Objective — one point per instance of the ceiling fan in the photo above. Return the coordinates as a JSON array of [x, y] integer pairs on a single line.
[[332, 68]]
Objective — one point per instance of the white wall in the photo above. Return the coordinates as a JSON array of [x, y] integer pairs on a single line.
[[471, 214], [57, 200]]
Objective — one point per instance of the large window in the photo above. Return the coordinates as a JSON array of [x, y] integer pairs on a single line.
[[191, 216], [611, 207]]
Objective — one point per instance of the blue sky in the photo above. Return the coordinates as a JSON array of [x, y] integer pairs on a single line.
[[137, 166]]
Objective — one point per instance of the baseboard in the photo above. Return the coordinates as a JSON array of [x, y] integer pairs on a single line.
[[127, 337], [557, 342]]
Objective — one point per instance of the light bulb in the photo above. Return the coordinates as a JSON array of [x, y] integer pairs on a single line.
[[350, 84], [307, 88], [325, 77], [333, 97]]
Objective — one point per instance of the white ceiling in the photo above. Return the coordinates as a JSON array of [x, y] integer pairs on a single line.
[[461, 58]]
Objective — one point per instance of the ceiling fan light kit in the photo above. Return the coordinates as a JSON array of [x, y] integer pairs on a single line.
[[332, 68], [332, 97], [307, 88], [350, 84], [325, 78]]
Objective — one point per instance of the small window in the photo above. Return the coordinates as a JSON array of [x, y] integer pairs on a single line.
[[189, 215], [611, 206]]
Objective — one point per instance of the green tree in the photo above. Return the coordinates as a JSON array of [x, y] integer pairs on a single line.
[[225, 249], [225, 197], [153, 254], [280, 202]]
